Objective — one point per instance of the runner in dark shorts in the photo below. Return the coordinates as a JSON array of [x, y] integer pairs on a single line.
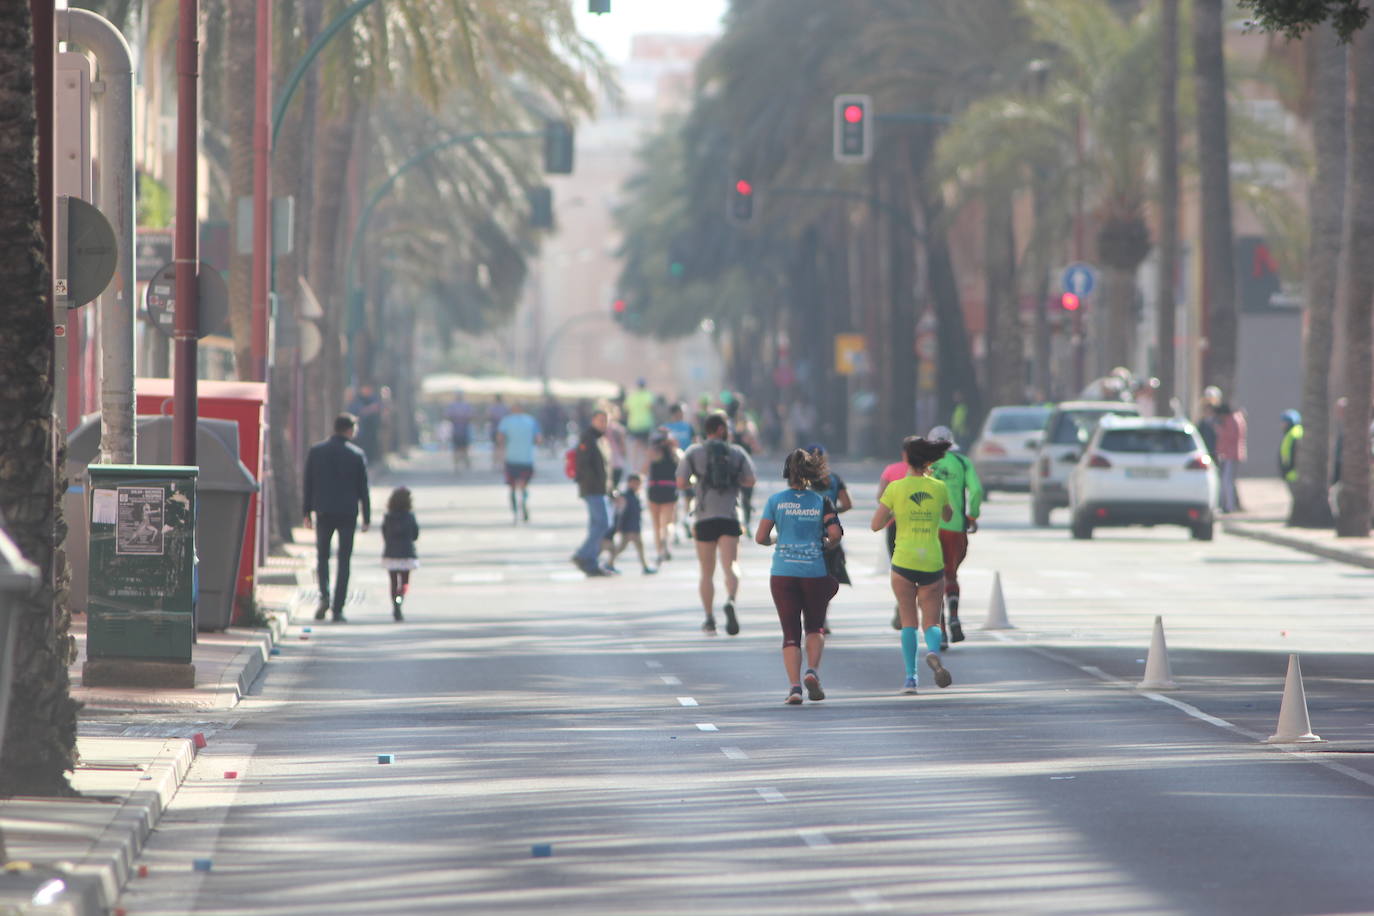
[[518, 474]]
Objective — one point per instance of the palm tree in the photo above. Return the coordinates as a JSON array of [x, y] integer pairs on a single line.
[[1165, 307], [1353, 510], [40, 741], [1326, 66], [1214, 167]]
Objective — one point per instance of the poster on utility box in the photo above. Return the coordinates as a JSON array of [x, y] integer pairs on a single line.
[[138, 528]]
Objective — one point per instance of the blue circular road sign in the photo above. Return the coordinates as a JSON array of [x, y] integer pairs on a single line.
[[1079, 279]]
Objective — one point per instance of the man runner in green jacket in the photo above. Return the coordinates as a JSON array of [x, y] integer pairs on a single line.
[[966, 499]]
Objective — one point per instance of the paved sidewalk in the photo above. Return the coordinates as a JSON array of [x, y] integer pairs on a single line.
[[136, 746], [1266, 503]]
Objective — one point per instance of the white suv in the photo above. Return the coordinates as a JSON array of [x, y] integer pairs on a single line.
[[1138, 471], [1067, 430]]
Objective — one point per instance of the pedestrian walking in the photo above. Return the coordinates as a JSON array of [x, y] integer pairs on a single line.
[[662, 470], [629, 523], [806, 525], [1288, 449], [917, 503], [366, 406], [720, 470], [517, 435], [965, 491], [1231, 451], [400, 531], [335, 486], [459, 414], [592, 471], [681, 430]]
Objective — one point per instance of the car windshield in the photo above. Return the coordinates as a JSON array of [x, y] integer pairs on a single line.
[[1018, 421], [1153, 441], [1074, 427]]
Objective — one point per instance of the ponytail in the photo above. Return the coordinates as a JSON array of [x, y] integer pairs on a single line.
[[803, 469]]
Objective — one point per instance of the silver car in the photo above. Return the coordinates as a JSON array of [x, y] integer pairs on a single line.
[[1005, 449]]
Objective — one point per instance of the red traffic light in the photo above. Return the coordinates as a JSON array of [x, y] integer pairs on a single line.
[[744, 187], [853, 113], [1069, 302], [618, 306]]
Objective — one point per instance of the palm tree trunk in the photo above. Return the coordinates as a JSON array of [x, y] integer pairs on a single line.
[[1311, 508], [1353, 520], [1003, 360], [1214, 167], [1165, 306], [40, 740], [237, 88], [951, 331], [1117, 344]]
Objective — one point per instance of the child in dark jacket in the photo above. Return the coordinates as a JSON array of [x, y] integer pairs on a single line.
[[399, 533]]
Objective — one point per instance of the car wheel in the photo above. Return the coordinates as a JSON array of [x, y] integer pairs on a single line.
[[1040, 514], [1202, 531], [1082, 529]]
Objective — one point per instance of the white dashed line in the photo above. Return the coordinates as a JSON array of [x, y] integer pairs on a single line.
[[814, 838], [672, 680], [868, 901], [687, 701], [707, 727], [770, 795], [477, 578], [653, 664], [734, 753]]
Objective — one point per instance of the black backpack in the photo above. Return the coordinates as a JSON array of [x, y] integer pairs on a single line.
[[722, 468]]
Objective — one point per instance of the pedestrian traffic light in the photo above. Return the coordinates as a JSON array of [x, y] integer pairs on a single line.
[[618, 309], [541, 207], [558, 148], [853, 128], [741, 207], [1069, 302]]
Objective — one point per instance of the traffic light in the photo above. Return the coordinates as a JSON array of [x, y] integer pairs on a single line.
[[618, 309], [541, 207], [1069, 302], [679, 251], [741, 207], [558, 148], [853, 128]]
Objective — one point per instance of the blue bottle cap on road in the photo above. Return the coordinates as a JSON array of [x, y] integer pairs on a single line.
[[541, 850], [201, 864], [386, 758]]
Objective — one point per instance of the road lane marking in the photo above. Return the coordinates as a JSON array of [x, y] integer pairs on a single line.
[[814, 838], [770, 794], [868, 901], [672, 680], [688, 701], [707, 727], [734, 753], [477, 578], [653, 664]]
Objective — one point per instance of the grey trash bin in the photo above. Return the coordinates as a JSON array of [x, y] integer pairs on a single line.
[[223, 490]]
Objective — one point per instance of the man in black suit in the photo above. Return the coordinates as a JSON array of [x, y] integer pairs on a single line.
[[335, 483]]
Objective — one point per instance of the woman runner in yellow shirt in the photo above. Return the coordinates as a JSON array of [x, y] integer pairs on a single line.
[[918, 503]]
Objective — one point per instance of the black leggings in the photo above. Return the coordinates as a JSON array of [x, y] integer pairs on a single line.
[[400, 578], [801, 604]]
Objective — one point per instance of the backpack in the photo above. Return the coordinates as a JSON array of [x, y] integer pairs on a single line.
[[722, 470], [570, 463]]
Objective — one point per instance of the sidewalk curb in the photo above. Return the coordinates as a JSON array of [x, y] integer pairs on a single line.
[[1243, 529]]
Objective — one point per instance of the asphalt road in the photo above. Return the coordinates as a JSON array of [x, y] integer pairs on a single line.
[[530, 710]]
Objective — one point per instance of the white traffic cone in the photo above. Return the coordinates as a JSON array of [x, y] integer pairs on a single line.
[[997, 607], [1158, 676], [1294, 726]]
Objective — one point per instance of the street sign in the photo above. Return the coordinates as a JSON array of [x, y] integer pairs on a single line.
[[849, 353], [151, 251], [92, 252], [212, 295], [1079, 279]]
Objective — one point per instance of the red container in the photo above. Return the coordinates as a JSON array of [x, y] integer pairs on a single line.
[[244, 403]]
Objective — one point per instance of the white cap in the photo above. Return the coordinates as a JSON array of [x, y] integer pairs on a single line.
[[941, 434]]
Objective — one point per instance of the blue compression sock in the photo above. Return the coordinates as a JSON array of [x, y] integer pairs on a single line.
[[909, 646], [933, 639]]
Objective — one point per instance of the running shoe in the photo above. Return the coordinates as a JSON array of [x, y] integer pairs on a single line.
[[649, 570], [813, 685], [794, 697], [909, 687], [956, 630], [396, 609], [709, 626], [731, 621], [322, 610], [942, 676]]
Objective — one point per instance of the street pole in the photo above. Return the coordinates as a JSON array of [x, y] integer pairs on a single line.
[[186, 254], [262, 165]]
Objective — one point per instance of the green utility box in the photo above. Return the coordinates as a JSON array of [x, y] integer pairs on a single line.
[[142, 571]]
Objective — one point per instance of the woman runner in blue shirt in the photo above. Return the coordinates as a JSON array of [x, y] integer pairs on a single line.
[[806, 524]]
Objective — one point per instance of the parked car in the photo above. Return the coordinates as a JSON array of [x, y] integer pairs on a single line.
[[1067, 429], [1143, 471], [1005, 449]]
